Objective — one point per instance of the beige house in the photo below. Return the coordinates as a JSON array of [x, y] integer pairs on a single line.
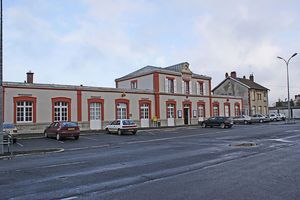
[[152, 96], [255, 96]]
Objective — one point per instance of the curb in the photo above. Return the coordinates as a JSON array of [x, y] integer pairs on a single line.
[[10, 155]]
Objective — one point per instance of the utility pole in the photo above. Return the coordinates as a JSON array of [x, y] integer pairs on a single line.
[[1, 80], [288, 83]]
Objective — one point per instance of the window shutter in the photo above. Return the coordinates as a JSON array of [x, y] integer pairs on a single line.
[[190, 87], [197, 88], [182, 87], [166, 85], [204, 89], [175, 86]]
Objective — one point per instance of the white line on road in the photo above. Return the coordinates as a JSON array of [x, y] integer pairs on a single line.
[[89, 138], [69, 198], [90, 147], [21, 145], [59, 165], [292, 131], [61, 142]]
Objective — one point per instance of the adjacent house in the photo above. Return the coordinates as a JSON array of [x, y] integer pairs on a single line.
[[254, 95]]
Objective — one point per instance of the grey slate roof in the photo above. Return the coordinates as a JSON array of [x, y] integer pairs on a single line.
[[174, 69], [251, 84], [246, 82], [73, 87]]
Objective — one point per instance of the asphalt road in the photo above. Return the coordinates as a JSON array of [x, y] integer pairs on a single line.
[[176, 163]]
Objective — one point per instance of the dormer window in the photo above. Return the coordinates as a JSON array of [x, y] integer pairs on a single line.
[[133, 84], [187, 87]]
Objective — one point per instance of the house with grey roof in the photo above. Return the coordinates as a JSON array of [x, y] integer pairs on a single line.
[[254, 95]]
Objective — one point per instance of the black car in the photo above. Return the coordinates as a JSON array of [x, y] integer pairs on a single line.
[[223, 122]]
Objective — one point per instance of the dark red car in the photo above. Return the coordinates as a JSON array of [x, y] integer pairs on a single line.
[[61, 130]]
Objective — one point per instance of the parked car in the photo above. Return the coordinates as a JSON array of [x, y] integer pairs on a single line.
[[281, 116], [273, 116], [10, 131], [259, 118], [61, 130], [222, 122], [121, 126], [242, 119]]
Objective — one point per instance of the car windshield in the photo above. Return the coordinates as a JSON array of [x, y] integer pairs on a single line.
[[69, 124], [128, 122], [8, 126]]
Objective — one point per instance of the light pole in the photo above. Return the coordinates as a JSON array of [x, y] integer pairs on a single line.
[[1, 79], [288, 83]]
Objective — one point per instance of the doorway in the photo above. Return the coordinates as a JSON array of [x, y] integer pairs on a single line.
[[186, 114]]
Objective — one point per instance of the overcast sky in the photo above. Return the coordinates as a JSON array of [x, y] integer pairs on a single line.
[[93, 42]]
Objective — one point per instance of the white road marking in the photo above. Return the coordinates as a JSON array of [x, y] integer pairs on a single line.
[[61, 142], [59, 165], [292, 131], [21, 145], [160, 139], [281, 140], [90, 147], [89, 138], [69, 198]]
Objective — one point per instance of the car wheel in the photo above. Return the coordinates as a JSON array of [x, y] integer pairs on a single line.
[[245, 122], [203, 125], [46, 134], [119, 132], [76, 137], [134, 132], [58, 137], [14, 140], [107, 131], [260, 121], [223, 125]]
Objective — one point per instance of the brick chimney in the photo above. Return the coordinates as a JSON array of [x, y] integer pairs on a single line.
[[233, 74], [226, 75], [30, 77], [251, 77]]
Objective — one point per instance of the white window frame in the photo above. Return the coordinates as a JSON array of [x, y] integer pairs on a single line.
[[61, 111], [24, 112], [95, 111], [171, 111], [145, 111], [122, 111]]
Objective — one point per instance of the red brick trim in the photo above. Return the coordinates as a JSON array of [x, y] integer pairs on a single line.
[[156, 94], [61, 99], [126, 101], [96, 100], [143, 101], [79, 106], [25, 98], [175, 110]]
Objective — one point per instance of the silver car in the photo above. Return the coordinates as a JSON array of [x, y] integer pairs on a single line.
[[242, 119]]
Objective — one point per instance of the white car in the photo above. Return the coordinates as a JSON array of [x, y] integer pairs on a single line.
[[273, 116], [121, 126]]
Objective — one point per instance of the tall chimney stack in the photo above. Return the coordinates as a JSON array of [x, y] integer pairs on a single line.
[[233, 74], [30, 77], [226, 75], [251, 77]]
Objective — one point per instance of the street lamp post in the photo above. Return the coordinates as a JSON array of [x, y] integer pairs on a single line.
[[288, 83], [1, 79]]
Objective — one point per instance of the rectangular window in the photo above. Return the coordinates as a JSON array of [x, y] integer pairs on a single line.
[[145, 111], [236, 110], [24, 111], [201, 111], [95, 111], [200, 88], [170, 111], [215, 110], [259, 109], [258, 96], [121, 111], [253, 111], [227, 111], [186, 87], [60, 111], [133, 84], [171, 85]]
